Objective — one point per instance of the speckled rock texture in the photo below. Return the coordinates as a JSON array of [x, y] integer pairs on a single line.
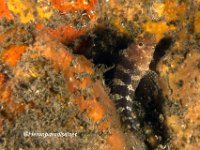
[[58, 59]]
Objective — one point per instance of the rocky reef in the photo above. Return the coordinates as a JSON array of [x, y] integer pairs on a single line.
[[58, 60]]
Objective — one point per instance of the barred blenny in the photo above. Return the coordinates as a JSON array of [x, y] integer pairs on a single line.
[[133, 65]]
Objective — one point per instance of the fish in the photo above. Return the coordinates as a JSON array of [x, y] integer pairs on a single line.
[[133, 64]]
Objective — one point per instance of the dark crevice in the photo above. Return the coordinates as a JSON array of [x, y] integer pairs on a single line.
[[151, 98], [160, 50], [103, 47]]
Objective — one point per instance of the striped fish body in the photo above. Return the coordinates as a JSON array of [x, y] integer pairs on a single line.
[[134, 63]]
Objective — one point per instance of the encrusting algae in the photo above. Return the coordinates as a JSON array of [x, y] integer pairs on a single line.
[[51, 77], [60, 92], [180, 84]]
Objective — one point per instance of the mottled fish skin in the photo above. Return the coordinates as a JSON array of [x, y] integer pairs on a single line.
[[133, 65]]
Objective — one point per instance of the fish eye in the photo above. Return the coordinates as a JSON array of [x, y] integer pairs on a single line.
[[141, 44]]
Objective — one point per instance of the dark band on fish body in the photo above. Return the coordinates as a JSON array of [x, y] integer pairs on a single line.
[[126, 78], [121, 90], [120, 102], [126, 63]]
